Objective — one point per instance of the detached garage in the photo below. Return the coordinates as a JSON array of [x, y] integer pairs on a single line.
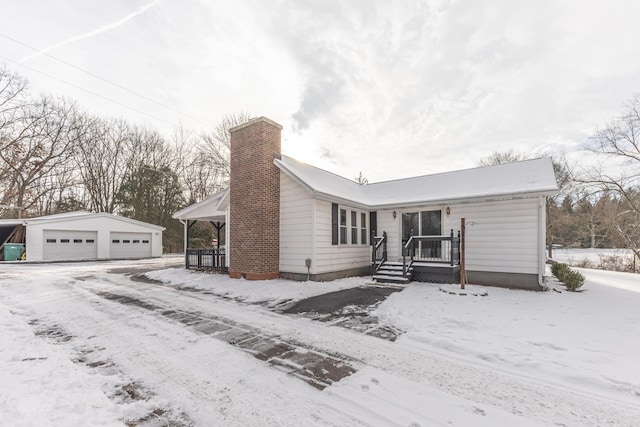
[[82, 236]]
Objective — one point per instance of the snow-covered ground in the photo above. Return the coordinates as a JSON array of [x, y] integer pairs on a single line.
[[71, 357], [592, 257]]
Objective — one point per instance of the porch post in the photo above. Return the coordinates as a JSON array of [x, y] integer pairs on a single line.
[[463, 277], [186, 239], [452, 247]]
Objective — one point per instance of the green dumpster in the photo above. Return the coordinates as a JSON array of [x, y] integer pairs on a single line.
[[12, 251]]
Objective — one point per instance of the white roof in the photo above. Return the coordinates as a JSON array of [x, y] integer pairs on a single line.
[[520, 179], [70, 216], [209, 209]]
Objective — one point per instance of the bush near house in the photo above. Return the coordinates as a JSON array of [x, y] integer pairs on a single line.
[[572, 280]]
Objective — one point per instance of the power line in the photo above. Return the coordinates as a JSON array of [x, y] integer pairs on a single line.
[[97, 77], [86, 90]]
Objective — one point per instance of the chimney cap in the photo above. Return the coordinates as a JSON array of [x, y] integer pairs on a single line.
[[256, 121]]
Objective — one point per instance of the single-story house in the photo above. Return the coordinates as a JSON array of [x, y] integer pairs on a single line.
[[284, 218], [83, 235]]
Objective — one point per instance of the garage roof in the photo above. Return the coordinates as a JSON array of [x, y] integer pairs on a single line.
[[70, 216]]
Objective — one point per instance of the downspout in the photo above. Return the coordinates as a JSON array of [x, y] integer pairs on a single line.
[[542, 235], [185, 238]]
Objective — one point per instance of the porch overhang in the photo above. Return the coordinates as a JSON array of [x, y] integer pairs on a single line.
[[210, 209]]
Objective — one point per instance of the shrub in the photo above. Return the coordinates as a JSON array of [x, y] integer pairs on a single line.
[[559, 270], [573, 280]]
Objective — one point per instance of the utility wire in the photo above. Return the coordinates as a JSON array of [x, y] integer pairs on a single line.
[[96, 76], [86, 90]]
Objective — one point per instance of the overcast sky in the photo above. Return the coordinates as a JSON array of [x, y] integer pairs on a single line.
[[389, 88]]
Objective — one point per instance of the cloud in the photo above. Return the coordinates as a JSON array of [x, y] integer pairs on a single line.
[[100, 30]]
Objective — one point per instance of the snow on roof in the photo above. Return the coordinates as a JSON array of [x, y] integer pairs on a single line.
[[529, 177], [46, 217], [207, 209], [70, 216], [322, 182]]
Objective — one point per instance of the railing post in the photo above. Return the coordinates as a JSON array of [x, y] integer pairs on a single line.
[[451, 243], [412, 248], [186, 260], [384, 246], [459, 239], [404, 261], [199, 252], [373, 247]]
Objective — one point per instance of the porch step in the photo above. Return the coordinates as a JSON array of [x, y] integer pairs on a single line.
[[384, 278], [391, 272]]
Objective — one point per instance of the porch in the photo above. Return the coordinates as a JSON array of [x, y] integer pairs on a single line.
[[432, 259], [214, 258]]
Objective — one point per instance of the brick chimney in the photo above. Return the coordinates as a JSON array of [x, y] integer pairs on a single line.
[[254, 198]]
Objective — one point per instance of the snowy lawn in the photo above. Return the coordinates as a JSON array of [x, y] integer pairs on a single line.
[[508, 358], [594, 258], [588, 341], [272, 292]]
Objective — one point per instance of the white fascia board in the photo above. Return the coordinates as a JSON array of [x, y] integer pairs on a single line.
[[341, 201], [466, 200]]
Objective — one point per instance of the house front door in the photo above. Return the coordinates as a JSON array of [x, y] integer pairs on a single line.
[[422, 223]]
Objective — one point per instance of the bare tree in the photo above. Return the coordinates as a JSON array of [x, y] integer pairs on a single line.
[[360, 179], [214, 146], [13, 100], [502, 157], [102, 160], [198, 177], [618, 143], [38, 148]]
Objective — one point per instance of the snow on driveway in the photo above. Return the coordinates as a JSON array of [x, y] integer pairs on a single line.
[[70, 356]]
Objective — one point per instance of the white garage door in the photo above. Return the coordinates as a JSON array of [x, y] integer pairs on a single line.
[[130, 245], [70, 245]]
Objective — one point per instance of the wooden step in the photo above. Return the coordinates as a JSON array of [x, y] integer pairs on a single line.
[[385, 278], [385, 272]]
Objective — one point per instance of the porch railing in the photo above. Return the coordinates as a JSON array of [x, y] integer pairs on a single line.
[[206, 259], [378, 251], [433, 249]]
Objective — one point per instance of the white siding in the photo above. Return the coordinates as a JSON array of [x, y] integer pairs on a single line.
[[330, 257], [502, 236], [392, 227], [296, 225]]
